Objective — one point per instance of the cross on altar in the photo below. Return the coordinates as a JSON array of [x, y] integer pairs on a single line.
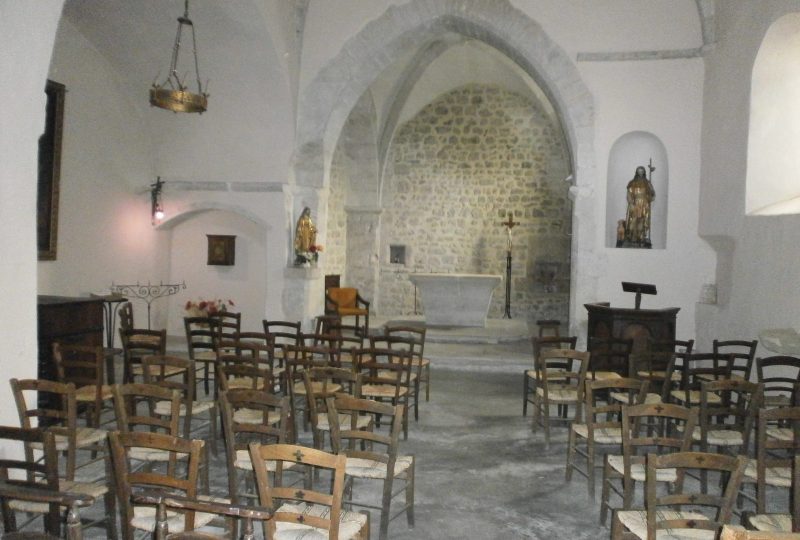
[[509, 224]]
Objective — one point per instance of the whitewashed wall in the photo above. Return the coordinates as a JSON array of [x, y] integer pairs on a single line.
[[758, 270]]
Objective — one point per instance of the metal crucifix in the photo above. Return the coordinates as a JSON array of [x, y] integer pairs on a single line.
[[509, 224]]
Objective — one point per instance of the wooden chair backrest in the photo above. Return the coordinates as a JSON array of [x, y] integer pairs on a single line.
[[202, 334], [129, 481], [719, 506], [82, 365], [29, 472], [417, 333], [229, 323], [602, 412], [348, 439], [383, 366], [272, 491], [59, 412], [344, 297], [779, 375], [233, 366], [126, 316], [134, 405], [572, 366], [743, 354]]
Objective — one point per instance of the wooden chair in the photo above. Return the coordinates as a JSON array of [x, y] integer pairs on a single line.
[[386, 376], [664, 427], [742, 354], [372, 454], [602, 425], [304, 512], [653, 363], [610, 358], [412, 347], [529, 375], [84, 366], [43, 496], [682, 511], [418, 360], [261, 346], [155, 372], [284, 334], [69, 439], [27, 472], [137, 343], [776, 449], [231, 512], [202, 336], [178, 480], [298, 359], [693, 370], [562, 391], [250, 416], [779, 375], [346, 302], [322, 383]]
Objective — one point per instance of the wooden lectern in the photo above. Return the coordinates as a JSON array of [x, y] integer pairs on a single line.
[[640, 325]]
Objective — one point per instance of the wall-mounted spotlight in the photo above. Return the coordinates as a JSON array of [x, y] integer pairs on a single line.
[[156, 209]]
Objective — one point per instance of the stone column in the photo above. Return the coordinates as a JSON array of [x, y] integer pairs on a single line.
[[363, 252]]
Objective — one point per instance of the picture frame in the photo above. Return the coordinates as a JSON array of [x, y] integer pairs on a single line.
[[221, 250], [49, 175]]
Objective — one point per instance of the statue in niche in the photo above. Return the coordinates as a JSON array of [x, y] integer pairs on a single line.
[[640, 195], [305, 237]]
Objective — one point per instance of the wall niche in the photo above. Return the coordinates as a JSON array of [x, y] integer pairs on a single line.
[[632, 150]]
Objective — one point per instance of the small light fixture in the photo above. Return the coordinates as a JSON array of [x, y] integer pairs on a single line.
[[156, 210], [173, 94]]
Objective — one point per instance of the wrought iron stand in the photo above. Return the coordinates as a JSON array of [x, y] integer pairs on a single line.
[[507, 314], [148, 292]]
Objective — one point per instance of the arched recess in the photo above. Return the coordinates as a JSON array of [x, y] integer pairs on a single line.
[[632, 150], [245, 282], [331, 95], [774, 122]]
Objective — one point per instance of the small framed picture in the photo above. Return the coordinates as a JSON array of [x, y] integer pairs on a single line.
[[221, 250]]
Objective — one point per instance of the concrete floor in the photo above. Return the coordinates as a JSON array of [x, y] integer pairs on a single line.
[[481, 472]]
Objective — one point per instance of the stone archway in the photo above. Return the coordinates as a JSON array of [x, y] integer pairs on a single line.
[[329, 98]]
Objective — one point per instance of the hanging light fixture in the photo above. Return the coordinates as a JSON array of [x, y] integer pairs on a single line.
[[156, 209], [173, 94]]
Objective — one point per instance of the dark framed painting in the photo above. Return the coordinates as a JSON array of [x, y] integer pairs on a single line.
[[221, 250], [49, 177]]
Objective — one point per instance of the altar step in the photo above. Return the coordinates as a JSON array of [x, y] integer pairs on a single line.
[[496, 330]]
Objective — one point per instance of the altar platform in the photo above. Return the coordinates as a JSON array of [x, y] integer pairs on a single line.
[[495, 331]]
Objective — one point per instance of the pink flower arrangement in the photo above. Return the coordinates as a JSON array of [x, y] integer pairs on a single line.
[[316, 248], [204, 308]]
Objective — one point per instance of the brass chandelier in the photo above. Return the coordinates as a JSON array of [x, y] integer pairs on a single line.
[[173, 94]]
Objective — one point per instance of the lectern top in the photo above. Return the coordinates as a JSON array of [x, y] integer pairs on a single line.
[[642, 288]]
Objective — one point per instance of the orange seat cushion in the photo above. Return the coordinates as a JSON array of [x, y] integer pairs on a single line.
[[345, 297]]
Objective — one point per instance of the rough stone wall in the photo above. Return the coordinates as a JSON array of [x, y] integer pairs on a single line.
[[453, 173], [333, 259]]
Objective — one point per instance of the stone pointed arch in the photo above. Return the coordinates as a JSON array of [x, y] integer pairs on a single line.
[[328, 99], [331, 95]]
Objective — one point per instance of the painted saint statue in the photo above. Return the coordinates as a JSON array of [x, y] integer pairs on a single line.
[[305, 234], [637, 219]]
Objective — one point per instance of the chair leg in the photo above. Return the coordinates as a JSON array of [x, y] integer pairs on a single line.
[[525, 393], [604, 491], [428, 382], [570, 455], [590, 468], [410, 495], [617, 528]]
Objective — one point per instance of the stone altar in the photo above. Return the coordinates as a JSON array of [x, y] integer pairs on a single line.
[[456, 299]]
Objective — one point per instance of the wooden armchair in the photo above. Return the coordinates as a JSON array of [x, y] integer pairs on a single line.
[[346, 302]]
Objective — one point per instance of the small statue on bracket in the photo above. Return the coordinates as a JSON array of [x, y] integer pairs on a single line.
[[640, 195], [305, 237]]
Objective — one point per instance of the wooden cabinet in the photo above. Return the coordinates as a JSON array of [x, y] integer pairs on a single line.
[[67, 320], [640, 325]]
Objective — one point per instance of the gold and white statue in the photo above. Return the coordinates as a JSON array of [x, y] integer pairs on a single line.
[[640, 194]]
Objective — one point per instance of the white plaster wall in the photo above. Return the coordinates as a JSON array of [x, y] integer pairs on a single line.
[[576, 25], [757, 282], [27, 33], [663, 98], [245, 282], [104, 233], [247, 132]]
